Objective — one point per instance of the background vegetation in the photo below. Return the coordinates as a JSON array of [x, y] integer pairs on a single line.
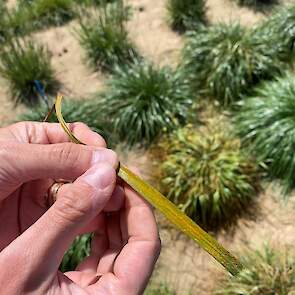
[[225, 61], [205, 172], [105, 39], [22, 63], [266, 122], [186, 15], [269, 271], [147, 100]]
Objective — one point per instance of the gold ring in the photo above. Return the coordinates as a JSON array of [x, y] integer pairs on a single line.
[[52, 192]]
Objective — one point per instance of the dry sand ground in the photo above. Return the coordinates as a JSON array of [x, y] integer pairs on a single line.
[[182, 264]]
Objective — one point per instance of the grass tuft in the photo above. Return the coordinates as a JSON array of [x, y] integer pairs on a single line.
[[23, 62], [206, 174], [268, 272], [225, 61], [105, 39], [33, 15], [186, 15], [78, 251], [143, 102], [266, 123], [3, 21], [259, 5], [46, 13], [280, 29]]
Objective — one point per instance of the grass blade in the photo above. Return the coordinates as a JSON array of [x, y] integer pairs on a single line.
[[167, 208]]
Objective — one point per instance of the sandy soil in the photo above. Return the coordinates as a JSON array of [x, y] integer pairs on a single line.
[[68, 60], [228, 12], [182, 264], [152, 35]]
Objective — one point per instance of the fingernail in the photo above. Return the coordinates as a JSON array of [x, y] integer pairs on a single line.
[[100, 176], [105, 155]]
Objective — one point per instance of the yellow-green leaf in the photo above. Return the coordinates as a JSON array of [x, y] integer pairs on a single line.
[[167, 208]]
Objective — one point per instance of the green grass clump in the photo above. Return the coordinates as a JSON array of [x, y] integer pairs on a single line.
[[266, 122], [225, 61], [280, 29], [267, 272], [86, 111], [79, 250], [186, 15], [23, 62], [205, 173], [260, 5], [105, 39], [143, 101], [29, 16], [51, 12], [3, 26]]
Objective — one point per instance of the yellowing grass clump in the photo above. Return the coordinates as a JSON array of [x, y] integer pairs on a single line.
[[204, 171]]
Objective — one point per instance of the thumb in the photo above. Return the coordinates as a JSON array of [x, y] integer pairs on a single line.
[[41, 248]]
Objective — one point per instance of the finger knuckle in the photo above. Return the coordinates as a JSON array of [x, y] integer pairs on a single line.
[[67, 153], [74, 205]]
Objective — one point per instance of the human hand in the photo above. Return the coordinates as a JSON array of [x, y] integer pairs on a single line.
[[33, 237]]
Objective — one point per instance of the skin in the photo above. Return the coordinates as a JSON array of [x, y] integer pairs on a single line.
[[34, 236]]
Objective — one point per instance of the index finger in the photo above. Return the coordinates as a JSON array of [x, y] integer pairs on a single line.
[[51, 133]]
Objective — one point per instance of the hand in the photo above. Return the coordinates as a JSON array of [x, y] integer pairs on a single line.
[[33, 237]]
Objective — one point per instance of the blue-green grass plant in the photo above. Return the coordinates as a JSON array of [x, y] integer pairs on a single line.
[[225, 61], [21, 63], [104, 37], [186, 15], [266, 124], [144, 101]]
